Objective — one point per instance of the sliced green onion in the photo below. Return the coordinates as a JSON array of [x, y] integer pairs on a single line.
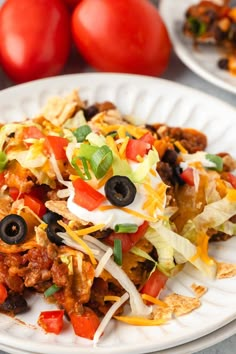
[[117, 250], [198, 28], [3, 160], [87, 151], [85, 175], [51, 290], [101, 161], [217, 160], [127, 228], [81, 133], [113, 133]]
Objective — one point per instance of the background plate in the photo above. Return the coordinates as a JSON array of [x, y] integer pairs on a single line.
[[149, 100], [203, 60]]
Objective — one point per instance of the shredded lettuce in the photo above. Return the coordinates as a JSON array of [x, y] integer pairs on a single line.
[[121, 167], [185, 248], [165, 251], [213, 215], [31, 158], [139, 252], [228, 227], [76, 121], [7, 130], [199, 156], [144, 167]]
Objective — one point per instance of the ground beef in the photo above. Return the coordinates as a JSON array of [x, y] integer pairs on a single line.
[[192, 140]]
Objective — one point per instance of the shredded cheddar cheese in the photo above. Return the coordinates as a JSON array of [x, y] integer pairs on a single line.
[[180, 147], [87, 230], [79, 240], [154, 300], [111, 298], [139, 321]]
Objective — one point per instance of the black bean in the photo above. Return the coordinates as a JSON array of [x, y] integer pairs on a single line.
[[170, 156], [15, 303], [176, 176], [220, 35], [90, 112], [223, 64]]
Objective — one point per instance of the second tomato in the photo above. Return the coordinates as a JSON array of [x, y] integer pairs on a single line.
[[35, 38], [121, 36]]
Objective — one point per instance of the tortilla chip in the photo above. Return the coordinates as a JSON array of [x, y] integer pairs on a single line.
[[225, 270], [60, 207], [59, 109], [5, 206], [180, 305], [163, 313], [199, 290]]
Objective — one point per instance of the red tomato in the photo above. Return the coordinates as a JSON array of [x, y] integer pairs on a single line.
[[86, 196], [15, 193], [154, 284], [121, 36], [136, 147], [187, 176], [2, 179], [35, 38], [128, 240], [51, 321], [232, 179], [35, 204], [148, 138], [32, 132], [57, 145], [3, 293], [86, 324]]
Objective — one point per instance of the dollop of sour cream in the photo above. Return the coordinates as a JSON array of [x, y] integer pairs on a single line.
[[116, 215]]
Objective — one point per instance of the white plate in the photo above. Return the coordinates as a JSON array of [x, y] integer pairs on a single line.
[[187, 348], [203, 60], [150, 100]]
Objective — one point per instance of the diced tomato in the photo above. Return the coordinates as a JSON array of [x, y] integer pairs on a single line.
[[187, 176], [135, 237], [86, 196], [139, 146], [32, 132], [3, 293], [128, 240], [56, 145], [136, 147], [15, 193], [85, 324], [155, 283], [35, 204], [232, 179], [51, 321], [148, 138], [2, 179]]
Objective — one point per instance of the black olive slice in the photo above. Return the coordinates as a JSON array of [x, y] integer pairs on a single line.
[[13, 229], [53, 227], [120, 191], [51, 217]]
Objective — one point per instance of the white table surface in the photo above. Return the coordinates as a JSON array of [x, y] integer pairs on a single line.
[[177, 72]]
